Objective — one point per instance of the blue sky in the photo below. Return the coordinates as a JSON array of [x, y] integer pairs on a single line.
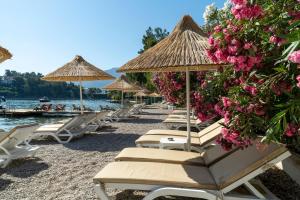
[[45, 34]]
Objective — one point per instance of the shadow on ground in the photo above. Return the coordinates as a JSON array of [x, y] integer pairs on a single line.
[[143, 121], [139, 195], [4, 183], [103, 142], [24, 168]]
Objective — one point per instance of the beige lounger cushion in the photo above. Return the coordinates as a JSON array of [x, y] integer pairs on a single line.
[[218, 176], [149, 173], [181, 121], [160, 155], [170, 132], [184, 133], [155, 139], [243, 162], [47, 129]]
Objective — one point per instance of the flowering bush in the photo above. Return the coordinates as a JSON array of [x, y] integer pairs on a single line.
[[259, 93], [259, 39]]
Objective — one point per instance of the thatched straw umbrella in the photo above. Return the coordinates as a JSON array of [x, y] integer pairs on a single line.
[[183, 50], [78, 70], [124, 85], [142, 93], [4, 54], [154, 95]]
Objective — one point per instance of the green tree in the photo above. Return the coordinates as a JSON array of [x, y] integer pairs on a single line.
[[150, 38]]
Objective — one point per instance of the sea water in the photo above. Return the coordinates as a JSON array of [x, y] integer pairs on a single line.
[[6, 123]]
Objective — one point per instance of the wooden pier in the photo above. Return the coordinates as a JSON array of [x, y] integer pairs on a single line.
[[32, 113]]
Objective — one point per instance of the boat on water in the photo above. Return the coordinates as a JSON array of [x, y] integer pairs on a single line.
[[44, 99]]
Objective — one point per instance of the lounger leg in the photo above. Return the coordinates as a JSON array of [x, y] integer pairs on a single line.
[[181, 192], [254, 191], [100, 191]]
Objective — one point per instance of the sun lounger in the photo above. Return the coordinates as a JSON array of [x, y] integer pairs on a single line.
[[76, 127], [177, 123], [199, 140], [14, 144], [206, 158], [168, 132], [221, 180]]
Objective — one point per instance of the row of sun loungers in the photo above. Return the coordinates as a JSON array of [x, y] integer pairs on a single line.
[[189, 175], [16, 143], [210, 173]]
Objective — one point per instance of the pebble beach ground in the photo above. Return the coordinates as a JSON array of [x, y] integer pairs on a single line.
[[65, 172]]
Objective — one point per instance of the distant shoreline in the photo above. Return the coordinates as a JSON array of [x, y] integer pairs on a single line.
[[37, 99]]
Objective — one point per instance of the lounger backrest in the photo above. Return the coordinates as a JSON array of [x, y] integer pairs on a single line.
[[3, 135], [242, 162], [210, 128], [82, 122], [214, 153], [210, 137], [101, 115], [18, 135], [78, 121], [123, 112]]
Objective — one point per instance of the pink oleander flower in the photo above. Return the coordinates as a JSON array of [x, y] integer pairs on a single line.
[[248, 45], [251, 89], [218, 29], [232, 49], [226, 102], [232, 59], [295, 57], [298, 79], [239, 2], [211, 40], [227, 117], [273, 39], [290, 130], [218, 109]]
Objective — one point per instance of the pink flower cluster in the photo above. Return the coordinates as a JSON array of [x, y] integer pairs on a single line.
[[251, 89], [295, 57], [277, 40], [243, 55], [298, 79], [203, 110], [246, 12], [291, 130], [232, 137]]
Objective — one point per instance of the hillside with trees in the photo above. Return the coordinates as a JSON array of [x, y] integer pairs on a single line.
[[29, 85]]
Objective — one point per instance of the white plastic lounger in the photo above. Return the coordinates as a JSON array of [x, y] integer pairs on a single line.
[[220, 181], [177, 123], [205, 138], [14, 144], [64, 133], [206, 158], [168, 132]]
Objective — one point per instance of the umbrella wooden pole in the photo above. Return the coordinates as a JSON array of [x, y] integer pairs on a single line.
[[81, 101], [188, 109], [122, 99]]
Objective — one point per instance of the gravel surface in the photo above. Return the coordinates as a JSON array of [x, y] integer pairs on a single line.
[[66, 171]]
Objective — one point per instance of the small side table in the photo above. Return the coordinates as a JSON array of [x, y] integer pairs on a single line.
[[172, 143]]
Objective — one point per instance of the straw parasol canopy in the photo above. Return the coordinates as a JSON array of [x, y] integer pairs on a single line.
[[185, 47], [183, 50], [78, 70], [4, 54], [154, 94], [141, 94], [122, 84]]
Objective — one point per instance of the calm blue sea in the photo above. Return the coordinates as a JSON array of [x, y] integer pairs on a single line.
[[7, 123]]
